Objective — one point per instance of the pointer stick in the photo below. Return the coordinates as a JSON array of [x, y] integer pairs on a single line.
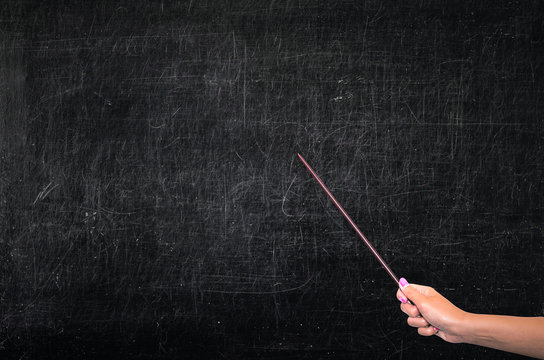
[[387, 268]]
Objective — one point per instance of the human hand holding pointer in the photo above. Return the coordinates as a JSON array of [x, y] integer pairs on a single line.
[[433, 314]]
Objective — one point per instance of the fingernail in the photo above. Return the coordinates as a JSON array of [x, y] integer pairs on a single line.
[[403, 300], [435, 329], [403, 283]]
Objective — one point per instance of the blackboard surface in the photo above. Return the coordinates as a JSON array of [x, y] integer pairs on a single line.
[[153, 206]]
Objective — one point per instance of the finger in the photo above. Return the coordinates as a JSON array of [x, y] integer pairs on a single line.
[[418, 322], [426, 331], [440, 334], [410, 310], [401, 297], [412, 292]]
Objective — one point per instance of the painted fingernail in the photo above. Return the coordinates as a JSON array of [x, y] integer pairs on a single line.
[[435, 329], [403, 300], [403, 283]]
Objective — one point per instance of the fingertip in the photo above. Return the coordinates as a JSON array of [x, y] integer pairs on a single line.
[[403, 283]]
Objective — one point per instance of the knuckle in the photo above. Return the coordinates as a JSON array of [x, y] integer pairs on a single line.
[[423, 307]]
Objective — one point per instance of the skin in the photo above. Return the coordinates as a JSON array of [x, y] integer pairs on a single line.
[[432, 314]]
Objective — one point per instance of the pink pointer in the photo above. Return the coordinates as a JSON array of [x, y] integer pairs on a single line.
[[387, 268]]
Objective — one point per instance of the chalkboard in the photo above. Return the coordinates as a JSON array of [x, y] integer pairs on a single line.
[[153, 205]]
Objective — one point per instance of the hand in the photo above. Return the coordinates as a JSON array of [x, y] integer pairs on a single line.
[[431, 313]]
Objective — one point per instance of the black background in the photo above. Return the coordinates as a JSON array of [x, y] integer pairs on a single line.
[[152, 204]]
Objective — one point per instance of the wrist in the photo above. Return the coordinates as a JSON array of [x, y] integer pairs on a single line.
[[468, 327]]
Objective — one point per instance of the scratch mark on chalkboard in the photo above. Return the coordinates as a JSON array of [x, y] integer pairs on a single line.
[[259, 292], [285, 197], [224, 207], [47, 190], [408, 193]]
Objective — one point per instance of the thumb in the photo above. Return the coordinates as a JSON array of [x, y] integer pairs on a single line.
[[411, 291]]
